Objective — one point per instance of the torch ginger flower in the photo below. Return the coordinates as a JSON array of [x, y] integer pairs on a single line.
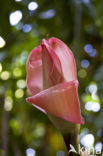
[[52, 80]]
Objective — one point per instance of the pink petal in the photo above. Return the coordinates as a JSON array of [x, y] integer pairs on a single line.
[[34, 71], [66, 58], [41, 109], [60, 100], [52, 71]]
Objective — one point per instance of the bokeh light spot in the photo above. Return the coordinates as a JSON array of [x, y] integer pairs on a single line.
[[92, 88], [60, 153], [17, 72], [95, 107], [98, 146], [15, 17], [48, 14], [88, 105], [87, 140], [86, 1], [18, 0], [21, 83], [19, 26], [32, 6], [30, 152], [5, 75], [8, 104], [94, 53], [95, 96], [99, 133], [92, 106], [0, 67], [26, 28], [85, 63], [2, 42], [82, 73], [19, 93], [88, 48], [39, 130]]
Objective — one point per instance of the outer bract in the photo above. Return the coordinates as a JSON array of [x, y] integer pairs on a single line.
[[52, 80]]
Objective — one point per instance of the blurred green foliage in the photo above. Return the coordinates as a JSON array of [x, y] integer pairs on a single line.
[[79, 23]]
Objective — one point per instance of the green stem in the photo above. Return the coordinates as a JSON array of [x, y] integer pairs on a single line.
[[71, 139], [69, 132]]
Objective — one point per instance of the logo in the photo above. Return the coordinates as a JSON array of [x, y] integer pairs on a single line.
[[85, 150], [72, 149]]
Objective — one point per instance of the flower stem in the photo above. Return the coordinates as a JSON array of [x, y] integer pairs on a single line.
[[71, 139], [69, 132]]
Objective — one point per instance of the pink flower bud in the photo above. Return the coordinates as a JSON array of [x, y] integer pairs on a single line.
[[52, 80]]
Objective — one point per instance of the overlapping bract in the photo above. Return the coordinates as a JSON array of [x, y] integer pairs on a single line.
[[52, 80]]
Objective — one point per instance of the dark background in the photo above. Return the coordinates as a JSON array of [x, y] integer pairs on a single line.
[[79, 23]]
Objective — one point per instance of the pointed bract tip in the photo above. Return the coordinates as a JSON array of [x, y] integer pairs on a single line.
[[29, 100], [44, 43]]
